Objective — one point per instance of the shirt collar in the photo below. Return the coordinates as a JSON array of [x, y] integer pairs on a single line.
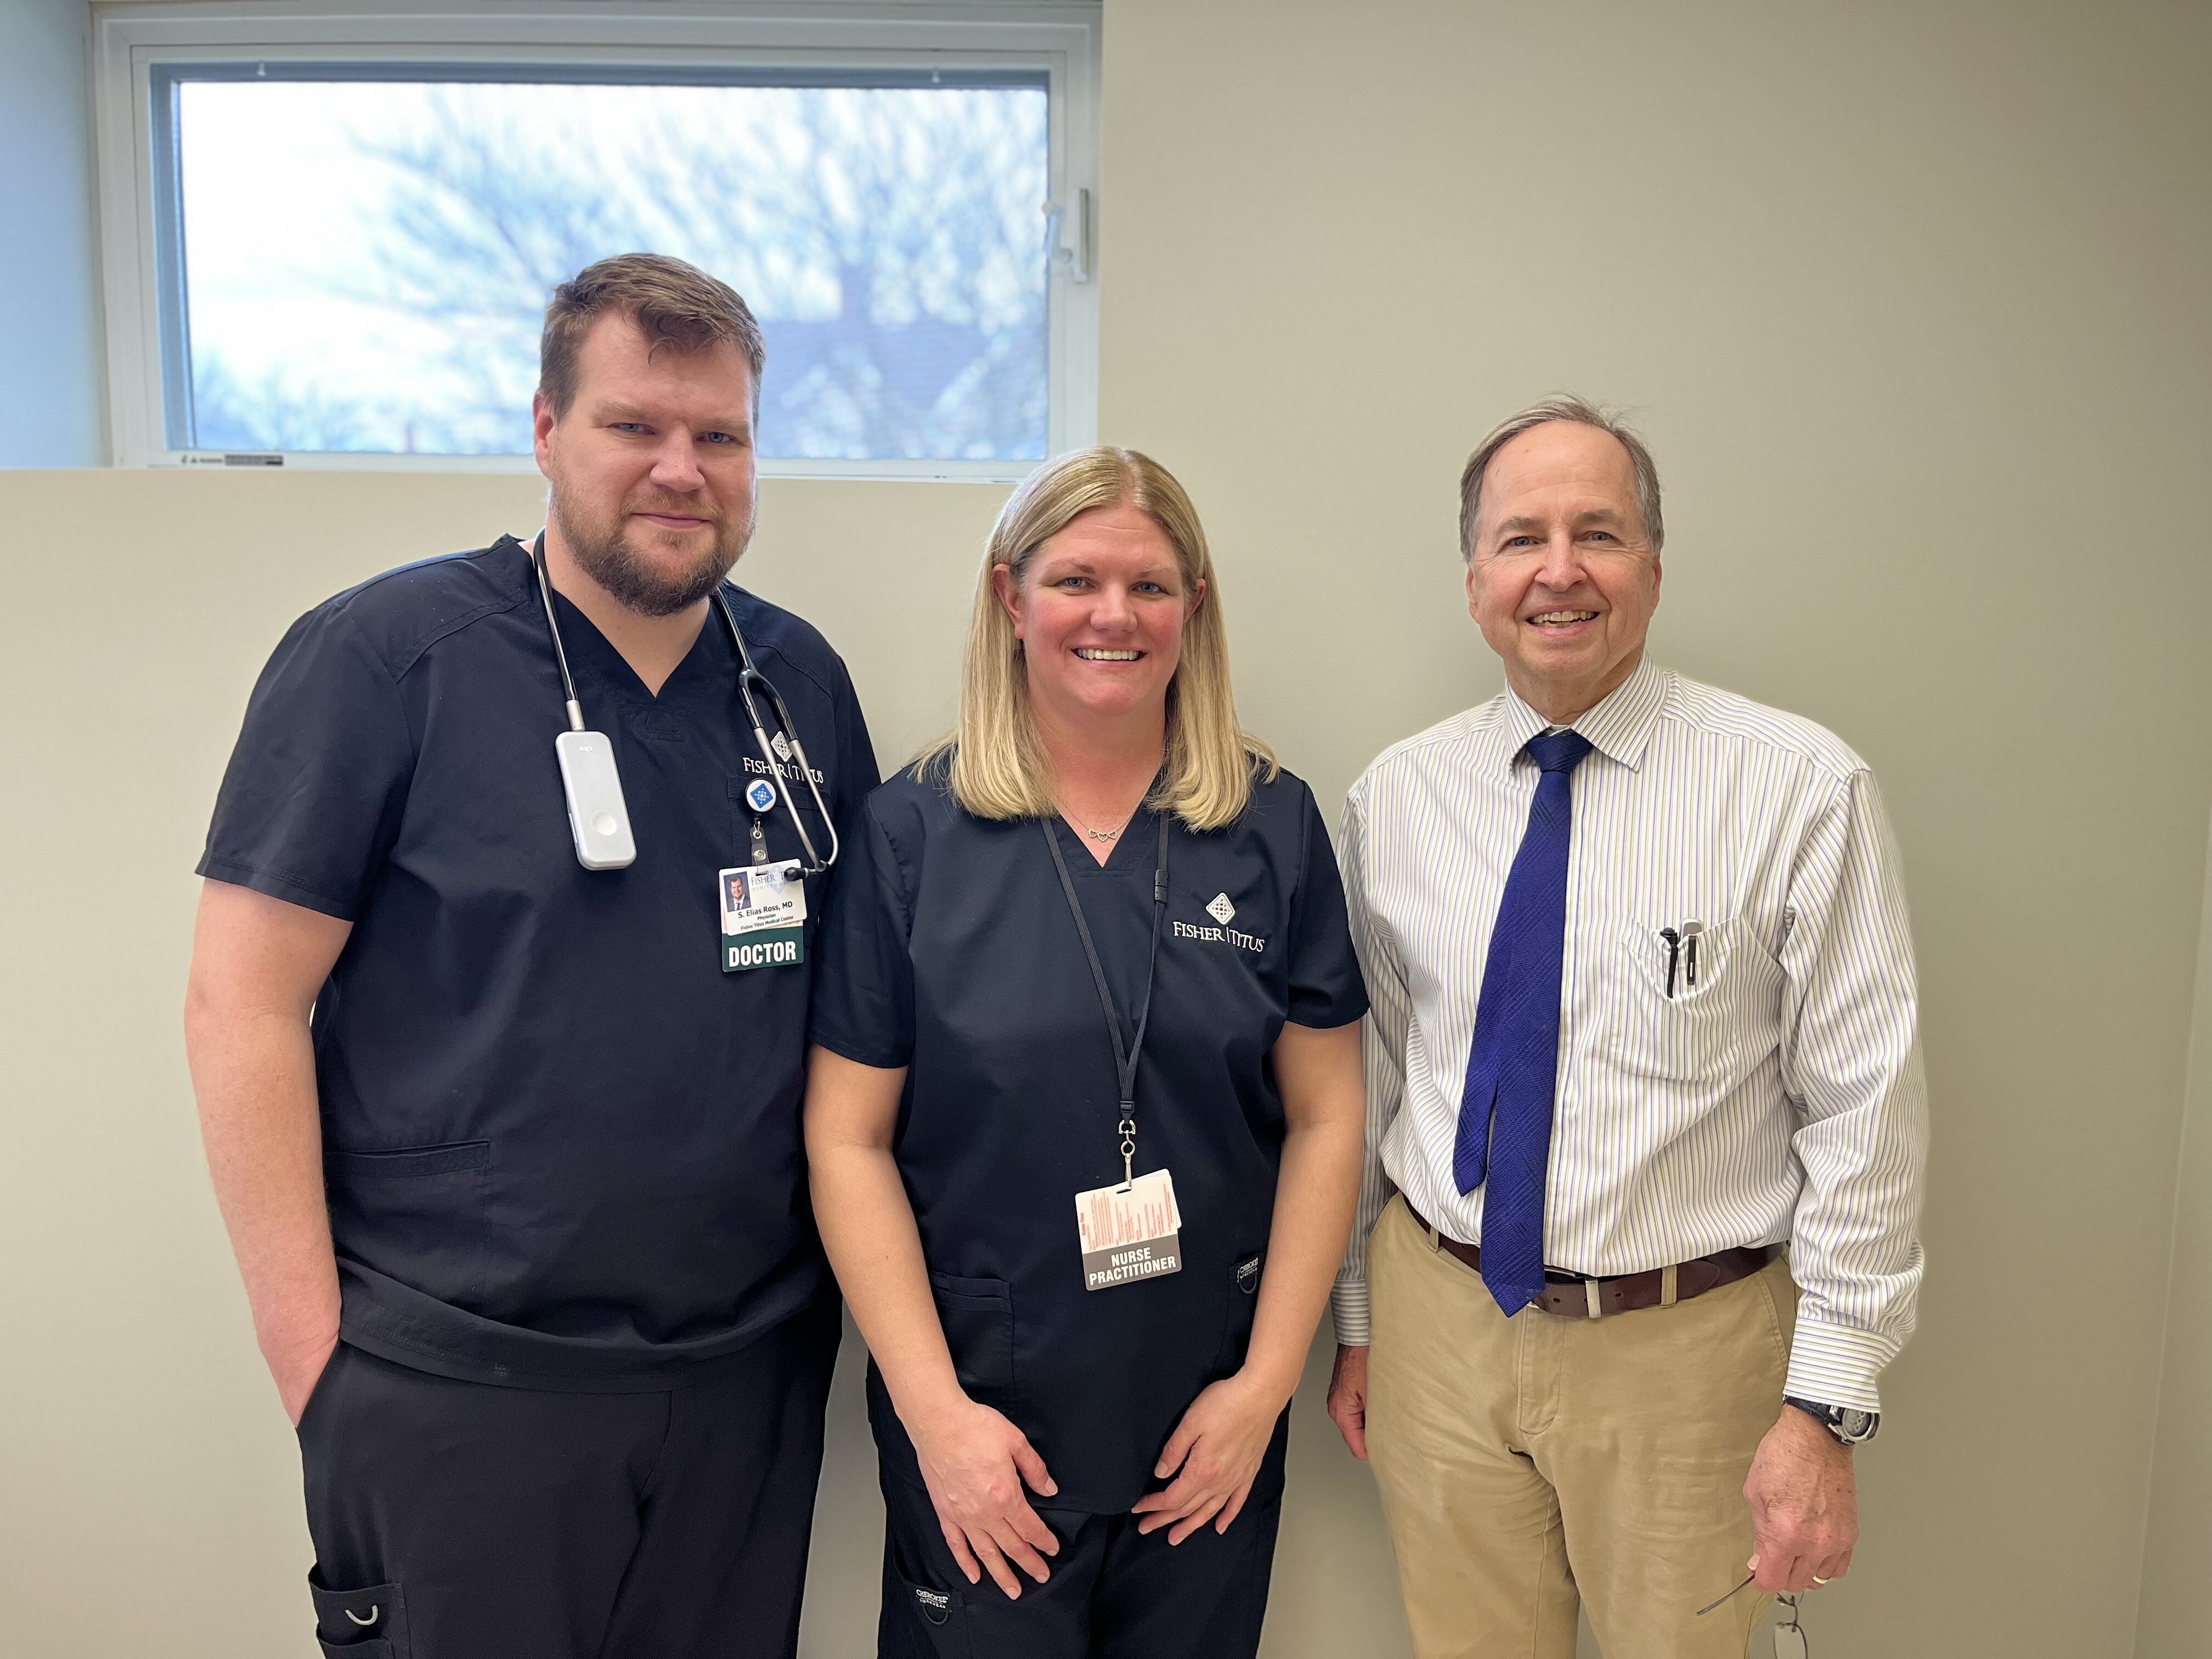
[[1618, 728]]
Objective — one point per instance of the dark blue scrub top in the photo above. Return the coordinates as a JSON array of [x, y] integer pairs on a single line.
[[561, 1147], [958, 959]]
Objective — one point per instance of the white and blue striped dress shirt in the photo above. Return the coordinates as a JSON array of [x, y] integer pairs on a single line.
[[1779, 1098]]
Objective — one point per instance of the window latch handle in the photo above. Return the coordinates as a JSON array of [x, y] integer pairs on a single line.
[[1074, 255]]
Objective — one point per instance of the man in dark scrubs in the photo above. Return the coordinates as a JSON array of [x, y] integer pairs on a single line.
[[509, 1147]]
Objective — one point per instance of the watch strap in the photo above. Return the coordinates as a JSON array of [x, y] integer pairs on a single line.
[[1851, 1425]]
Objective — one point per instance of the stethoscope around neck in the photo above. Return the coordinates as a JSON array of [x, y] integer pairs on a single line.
[[598, 818]]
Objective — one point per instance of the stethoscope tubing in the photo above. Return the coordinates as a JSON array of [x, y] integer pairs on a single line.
[[749, 676]]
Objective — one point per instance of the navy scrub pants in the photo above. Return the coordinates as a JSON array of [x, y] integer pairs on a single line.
[[456, 1520], [1114, 1593]]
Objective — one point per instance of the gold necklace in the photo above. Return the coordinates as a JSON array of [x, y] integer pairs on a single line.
[[1099, 835]]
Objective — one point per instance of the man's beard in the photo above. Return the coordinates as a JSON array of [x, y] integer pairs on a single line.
[[636, 583]]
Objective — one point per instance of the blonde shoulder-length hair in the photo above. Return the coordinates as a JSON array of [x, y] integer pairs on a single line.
[[992, 762]]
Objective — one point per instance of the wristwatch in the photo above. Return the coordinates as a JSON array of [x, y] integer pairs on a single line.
[[1850, 1427]]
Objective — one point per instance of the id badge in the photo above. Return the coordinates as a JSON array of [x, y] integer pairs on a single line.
[[1129, 1233], [763, 916]]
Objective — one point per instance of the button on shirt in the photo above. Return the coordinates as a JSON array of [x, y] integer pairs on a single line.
[[560, 1146], [1779, 1097]]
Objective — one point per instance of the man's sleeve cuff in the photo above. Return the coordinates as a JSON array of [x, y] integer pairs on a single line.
[[1836, 1365], [1347, 1300]]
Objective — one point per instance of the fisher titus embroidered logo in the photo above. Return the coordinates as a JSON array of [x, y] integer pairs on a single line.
[[1223, 912]]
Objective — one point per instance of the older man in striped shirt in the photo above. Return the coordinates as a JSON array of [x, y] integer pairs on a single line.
[[1644, 1076]]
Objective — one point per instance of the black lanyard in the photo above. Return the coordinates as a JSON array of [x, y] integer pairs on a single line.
[[1125, 1053]]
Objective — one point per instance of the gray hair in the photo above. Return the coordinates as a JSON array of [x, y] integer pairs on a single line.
[[1581, 412]]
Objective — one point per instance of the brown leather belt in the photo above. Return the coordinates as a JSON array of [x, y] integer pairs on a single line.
[[1595, 1299]]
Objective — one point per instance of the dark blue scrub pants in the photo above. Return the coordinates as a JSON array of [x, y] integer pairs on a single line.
[[1114, 1593], [460, 1521]]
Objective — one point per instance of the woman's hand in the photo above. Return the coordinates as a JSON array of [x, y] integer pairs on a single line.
[[974, 1461], [1218, 1446]]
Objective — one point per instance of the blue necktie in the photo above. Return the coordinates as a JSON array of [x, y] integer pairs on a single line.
[[1513, 1069]]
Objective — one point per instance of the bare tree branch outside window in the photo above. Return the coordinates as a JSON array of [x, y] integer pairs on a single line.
[[890, 240]]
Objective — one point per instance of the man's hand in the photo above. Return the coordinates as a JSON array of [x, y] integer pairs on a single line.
[[1347, 1398], [1804, 1505], [298, 1371], [258, 966]]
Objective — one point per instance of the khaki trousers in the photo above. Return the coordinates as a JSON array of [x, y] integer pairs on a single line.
[[1531, 1465]]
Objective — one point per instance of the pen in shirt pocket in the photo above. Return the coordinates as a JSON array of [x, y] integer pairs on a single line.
[[1682, 954]]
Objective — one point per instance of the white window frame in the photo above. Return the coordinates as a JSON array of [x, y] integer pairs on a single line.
[[1059, 37]]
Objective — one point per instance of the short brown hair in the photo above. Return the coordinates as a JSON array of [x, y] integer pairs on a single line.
[[1581, 412], [673, 304]]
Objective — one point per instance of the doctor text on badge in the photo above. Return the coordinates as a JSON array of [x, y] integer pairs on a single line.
[[763, 909]]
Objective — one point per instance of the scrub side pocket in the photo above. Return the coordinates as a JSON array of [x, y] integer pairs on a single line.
[[1241, 1303], [418, 1215], [978, 1317], [325, 1385], [925, 1602], [923, 1622]]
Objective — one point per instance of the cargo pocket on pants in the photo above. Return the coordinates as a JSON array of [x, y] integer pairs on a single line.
[[360, 1624], [944, 1618]]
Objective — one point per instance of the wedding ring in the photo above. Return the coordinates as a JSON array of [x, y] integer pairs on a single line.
[[1818, 1579]]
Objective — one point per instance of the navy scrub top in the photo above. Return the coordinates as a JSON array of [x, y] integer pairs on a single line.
[[954, 954], [562, 1147]]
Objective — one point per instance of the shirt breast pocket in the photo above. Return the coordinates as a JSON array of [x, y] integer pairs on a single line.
[[1684, 1009]]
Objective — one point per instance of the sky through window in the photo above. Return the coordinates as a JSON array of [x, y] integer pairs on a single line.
[[367, 261]]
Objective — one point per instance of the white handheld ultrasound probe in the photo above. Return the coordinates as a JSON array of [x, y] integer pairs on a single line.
[[597, 818]]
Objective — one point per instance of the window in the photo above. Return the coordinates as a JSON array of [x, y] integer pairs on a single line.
[[327, 250]]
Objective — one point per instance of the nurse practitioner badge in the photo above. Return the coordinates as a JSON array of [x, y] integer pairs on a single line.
[[1130, 1233]]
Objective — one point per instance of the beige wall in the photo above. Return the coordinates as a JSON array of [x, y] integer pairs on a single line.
[[1910, 300], [2178, 1537]]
